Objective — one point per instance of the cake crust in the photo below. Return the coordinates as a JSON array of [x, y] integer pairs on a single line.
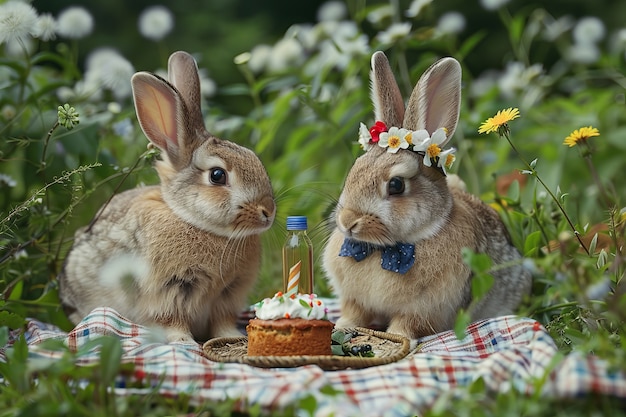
[[289, 337]]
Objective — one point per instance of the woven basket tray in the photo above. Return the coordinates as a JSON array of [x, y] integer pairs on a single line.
[[387, 348]]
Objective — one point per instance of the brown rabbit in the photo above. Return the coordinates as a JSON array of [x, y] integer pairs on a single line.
[[181, 255], [395, 255]]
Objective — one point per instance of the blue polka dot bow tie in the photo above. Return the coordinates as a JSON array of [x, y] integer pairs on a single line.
[[398, 258]]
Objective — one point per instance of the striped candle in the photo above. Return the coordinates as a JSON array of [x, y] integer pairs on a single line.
[[294, 277]]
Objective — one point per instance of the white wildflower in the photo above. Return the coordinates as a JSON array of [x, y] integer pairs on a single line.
[[156, 22], [7, 181], [286, 53], [75, 22], [380, 14], [45, 29], [589, 29], [394, 33], [260, 57], [555, 28], [518, 77], [482, 84], [618, 41], [416, 7], [451, 23], [493, 4], [332, 10], [17, 21], [208, 87], [583, 53], [308, 35]]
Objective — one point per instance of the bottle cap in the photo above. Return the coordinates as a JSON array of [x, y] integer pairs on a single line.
[[296, 223]]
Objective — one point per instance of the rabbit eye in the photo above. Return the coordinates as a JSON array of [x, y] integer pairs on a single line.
[[396, 186], [217, 176]]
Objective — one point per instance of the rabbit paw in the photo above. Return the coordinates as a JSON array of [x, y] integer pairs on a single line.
[[179, 336]]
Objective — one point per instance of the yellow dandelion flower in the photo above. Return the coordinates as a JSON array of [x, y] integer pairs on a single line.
[[499, 122], [580, 135]]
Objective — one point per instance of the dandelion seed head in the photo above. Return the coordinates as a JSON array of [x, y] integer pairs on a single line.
[[45, 29], [17, 21], [588, 29], [123, 271], [75, 22], [156, 22], [108, 69]]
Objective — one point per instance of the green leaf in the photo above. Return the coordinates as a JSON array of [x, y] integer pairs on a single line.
[[11, 320], [337, 350], [481, 284], [338, 336], [513, 191], [478, 262], [532, 244], [463, 320], [16, 291], [309, 404], [110, 357], [4, 335]]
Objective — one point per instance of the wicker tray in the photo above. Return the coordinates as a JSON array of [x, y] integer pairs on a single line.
[[387, 348]]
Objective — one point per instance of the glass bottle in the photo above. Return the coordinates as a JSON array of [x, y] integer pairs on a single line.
[[297, 257]]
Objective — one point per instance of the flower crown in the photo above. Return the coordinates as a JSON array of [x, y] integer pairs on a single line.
[[395, 138]]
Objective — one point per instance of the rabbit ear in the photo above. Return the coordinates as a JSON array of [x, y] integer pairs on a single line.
[[182, 72], [436, 99], [161, 114], [386, 97]]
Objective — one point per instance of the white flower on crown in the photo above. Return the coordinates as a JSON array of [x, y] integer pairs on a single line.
[[394, 139], [430, 144], [422, 142], [364, 137]]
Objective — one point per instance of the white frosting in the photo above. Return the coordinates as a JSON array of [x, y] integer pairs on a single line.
[[304, 306]]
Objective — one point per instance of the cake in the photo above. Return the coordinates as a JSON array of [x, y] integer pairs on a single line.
[[290, 326]]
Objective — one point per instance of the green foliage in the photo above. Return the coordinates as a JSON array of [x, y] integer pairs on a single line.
[[65, 150]]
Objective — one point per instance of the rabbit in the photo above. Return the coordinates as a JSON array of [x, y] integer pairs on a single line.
[[181, 255], [392, 198]]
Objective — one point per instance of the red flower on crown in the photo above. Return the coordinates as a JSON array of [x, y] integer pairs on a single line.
[[378, 128]]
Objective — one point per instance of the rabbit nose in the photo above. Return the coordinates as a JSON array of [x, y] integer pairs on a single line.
[[349, 222], [267, 209]]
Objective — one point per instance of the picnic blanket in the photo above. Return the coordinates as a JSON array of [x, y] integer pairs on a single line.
[[506, 352]]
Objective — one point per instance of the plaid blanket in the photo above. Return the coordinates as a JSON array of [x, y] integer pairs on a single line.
[[506, 352]]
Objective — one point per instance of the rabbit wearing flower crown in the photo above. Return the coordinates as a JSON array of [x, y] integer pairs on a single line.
[[396, 253], [181, 255]]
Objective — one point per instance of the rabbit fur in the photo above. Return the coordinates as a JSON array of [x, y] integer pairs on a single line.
[[435, 214], [184, 254]]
